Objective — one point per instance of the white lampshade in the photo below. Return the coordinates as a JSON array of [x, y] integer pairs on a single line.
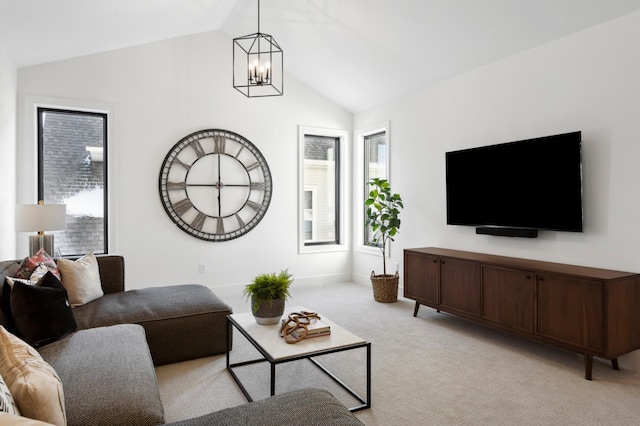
[[41, 217]]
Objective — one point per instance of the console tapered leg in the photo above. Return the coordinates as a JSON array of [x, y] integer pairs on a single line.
[[415, 310], [588, 366], [614, 364]]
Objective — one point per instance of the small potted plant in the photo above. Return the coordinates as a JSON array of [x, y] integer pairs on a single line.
[[268, 293], [382, 214]]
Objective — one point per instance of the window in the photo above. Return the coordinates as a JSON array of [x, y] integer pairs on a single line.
[[72, 170], [322, 206], [372, 152], [375, 166]]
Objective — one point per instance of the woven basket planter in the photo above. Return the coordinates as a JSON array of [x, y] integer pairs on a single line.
[[385, 287]]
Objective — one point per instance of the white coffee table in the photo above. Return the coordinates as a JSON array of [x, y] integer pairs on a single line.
[[273, 348]]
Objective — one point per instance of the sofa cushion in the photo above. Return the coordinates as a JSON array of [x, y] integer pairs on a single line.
[[81, 278], [34, 384], [108, 376], [41, 312], [182, 321], [307, 407]]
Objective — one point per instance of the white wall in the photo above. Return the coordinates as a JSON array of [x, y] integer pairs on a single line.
[[588, 82], [8, 87], [160, 93]]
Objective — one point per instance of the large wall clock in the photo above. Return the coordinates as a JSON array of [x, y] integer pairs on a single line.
[[215, 185]]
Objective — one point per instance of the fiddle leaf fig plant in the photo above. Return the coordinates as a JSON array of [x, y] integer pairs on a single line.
[[382, 214]]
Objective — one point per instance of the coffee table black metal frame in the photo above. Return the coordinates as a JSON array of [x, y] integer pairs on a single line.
[[231, 324]]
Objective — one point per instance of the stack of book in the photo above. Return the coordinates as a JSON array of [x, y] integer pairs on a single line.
[[316, 328]]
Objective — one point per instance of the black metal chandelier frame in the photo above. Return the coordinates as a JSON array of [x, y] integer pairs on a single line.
[[257, 64]]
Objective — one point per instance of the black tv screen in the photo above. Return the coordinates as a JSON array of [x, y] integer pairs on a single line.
[[530, 184]]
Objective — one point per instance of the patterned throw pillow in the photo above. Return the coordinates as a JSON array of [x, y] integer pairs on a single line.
[[40, 271], [7, 404], [29, 264], [11, 281]]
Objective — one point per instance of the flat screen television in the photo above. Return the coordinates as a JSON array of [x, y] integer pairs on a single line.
[[517, 188]]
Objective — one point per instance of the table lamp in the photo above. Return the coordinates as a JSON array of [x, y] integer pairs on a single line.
[[40, 218]]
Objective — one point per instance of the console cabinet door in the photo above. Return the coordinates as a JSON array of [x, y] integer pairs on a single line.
[[460, 285], [507, 297], [571, 310], [421, 278]]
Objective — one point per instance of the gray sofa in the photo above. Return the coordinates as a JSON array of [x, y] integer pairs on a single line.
[[107, 365]]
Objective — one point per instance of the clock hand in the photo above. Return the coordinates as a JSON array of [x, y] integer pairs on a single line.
[[219, 186]]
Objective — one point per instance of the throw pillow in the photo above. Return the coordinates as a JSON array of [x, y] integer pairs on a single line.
[[81, 279], [39, 272], [12, 280], [7, 269], [34, 384], [6, 299], [7, 404], [41, 313], [29, 264], [13, 420]]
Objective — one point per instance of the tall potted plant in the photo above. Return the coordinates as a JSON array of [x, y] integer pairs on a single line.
[[268, 293], [382, 214]]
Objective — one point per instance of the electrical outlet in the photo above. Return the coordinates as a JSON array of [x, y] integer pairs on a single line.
[[203, 268]]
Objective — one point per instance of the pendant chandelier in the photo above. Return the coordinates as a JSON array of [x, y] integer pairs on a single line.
[[257, 64]]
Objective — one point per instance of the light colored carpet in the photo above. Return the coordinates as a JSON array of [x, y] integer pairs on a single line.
[[435, 369]]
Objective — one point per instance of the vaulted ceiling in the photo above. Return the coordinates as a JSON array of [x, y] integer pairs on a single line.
[[358, 53]]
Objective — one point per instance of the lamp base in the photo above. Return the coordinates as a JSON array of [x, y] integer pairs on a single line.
[[36, 242]]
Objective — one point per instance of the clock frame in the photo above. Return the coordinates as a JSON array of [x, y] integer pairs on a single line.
[[215, 185]]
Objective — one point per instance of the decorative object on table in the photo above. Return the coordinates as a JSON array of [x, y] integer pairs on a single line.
[[268, 293], [40, 218], [215, 185], [257, 64], [303, 325], [382, 211]]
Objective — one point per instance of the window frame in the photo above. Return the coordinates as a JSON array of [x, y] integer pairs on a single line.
[[105, 168], [27, 156], [360, 184], [343, 208]]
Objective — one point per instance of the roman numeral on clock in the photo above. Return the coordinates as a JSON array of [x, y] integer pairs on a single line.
[[175, 186], [198, 222], [197, 147], [241, 223], [252, 166], [255, 206], [182, 163], [219, 144], [258, 185], [182, 206]]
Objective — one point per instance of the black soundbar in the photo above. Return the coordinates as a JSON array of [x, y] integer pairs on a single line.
[[507, 232]]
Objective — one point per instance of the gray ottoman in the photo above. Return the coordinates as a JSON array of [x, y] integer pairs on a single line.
[[107, 377], [306, 407], [181, 321]]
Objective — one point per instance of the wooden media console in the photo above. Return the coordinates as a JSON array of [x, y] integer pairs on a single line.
[[591, 311]]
